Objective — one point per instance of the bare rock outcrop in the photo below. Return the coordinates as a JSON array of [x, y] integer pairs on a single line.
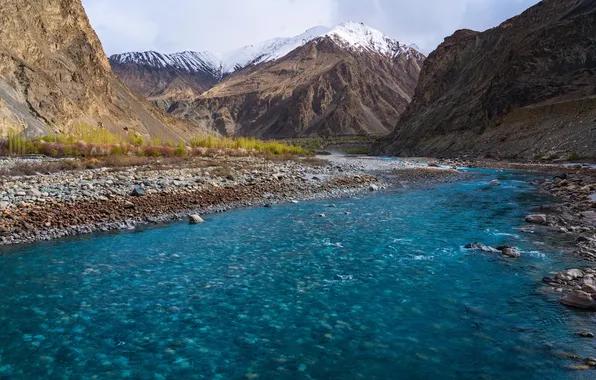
[[526, 88], [54, 75]]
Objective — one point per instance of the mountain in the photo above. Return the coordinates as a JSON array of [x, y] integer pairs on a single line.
[[54, 74], [346, 80], [526, 88], [152, 74]]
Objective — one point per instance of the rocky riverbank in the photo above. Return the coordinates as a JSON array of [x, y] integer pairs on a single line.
[[44, 207]]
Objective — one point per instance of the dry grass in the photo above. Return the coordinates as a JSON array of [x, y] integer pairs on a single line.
[[87, 141]]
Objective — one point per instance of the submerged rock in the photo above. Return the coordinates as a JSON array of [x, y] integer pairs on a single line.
[[579, 299], [195, 219], [586, 334], [537, 219], [510, 252], [482, 247]]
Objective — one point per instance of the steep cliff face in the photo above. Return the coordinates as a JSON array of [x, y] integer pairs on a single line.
[[54, 74], [523, 89], [346, 80]]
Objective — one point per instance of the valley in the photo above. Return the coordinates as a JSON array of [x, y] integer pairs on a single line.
[[336, 203]]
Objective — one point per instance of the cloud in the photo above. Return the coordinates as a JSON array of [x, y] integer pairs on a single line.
[[427, 22], [223, 25], [215, 25]]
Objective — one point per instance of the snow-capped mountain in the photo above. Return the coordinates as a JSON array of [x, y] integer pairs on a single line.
[[189, 61], [349, 35], [346, 80]]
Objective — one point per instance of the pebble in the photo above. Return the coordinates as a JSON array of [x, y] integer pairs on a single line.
[[34, 208]]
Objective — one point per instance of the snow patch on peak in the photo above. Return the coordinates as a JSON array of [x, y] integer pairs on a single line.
[[349, 35]]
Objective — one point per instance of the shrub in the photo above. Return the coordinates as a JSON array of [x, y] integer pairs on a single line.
[[573, 156]]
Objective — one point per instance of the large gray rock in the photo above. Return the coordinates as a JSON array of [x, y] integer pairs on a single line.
[[537, 219], [510, 252], [579, 299], [574, 273], [590, 289]]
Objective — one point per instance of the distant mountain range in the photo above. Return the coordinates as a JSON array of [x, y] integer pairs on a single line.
[[363, 81]]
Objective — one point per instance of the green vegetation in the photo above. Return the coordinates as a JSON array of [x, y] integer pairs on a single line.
[[358, 151], [87, 141], [318, 143], [274, 147], [573, 156]]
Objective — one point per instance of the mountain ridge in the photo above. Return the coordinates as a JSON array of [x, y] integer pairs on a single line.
[[351, 34], [54, 75], [284, 71], [524, 89]]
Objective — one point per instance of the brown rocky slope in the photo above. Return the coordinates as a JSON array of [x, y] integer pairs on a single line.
[[319, 89], [524, 89], [54, 74]]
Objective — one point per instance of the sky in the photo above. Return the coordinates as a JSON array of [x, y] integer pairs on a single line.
[[223, 25]]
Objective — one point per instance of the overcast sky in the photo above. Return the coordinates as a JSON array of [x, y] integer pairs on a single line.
[[223, 25]]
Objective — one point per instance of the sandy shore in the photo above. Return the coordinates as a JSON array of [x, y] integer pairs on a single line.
[[43, 207]]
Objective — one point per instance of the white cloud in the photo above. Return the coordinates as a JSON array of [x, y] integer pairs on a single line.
[[222, 25], [215, 25], [427, 22]]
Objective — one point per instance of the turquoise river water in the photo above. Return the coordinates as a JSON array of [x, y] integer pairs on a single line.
[[384, 292]]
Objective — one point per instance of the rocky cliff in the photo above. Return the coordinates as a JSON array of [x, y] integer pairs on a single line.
[[524, 89], [54, 74], [346, 80]]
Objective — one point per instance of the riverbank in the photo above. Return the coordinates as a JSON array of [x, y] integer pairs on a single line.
[[43, 207]]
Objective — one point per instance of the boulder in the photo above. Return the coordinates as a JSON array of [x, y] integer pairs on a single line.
[[482, 247], [510, 252], [138, 192], [373, 187], [494, 182], [579, 299], [586, 334], [4, 205], [195, 219], [590, 289], [537, 219], [574, 273]]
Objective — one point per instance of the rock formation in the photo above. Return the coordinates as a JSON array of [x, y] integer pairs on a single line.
[[54, 75], [526, 88]]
